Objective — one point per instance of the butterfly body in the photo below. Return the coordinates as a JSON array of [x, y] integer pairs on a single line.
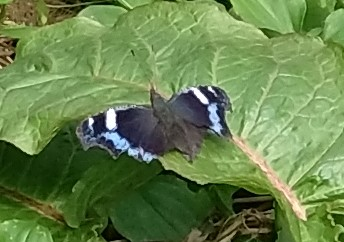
[[145, 133]]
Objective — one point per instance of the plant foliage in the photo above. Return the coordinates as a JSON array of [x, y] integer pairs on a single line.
[[287, 93]]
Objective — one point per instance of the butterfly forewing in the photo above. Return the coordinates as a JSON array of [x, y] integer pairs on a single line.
[[134, 130]]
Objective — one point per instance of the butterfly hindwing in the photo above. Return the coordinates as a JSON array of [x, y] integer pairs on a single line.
[[203, 106], [187, 138]]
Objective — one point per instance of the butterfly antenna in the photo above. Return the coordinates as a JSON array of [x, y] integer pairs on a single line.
[[152, 92]]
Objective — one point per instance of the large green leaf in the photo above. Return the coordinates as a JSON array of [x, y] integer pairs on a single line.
[[164, 209], [53, 76], [276, 121], [283, 16], [334, 27], [95, 67], [30, 186], [104, 185], [287, 94], [63, 183], [104, 14], [22, 224]]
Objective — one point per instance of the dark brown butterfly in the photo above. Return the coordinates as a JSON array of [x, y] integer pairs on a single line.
[[146, 132]]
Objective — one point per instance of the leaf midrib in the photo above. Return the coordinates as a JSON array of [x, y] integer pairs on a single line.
[[40, 207]]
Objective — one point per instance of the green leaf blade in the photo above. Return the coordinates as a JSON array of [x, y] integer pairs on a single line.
[[29, 232], [71, 86], [61, 192], [20, 223], [107, 15], [5, 1], [281, 16], [287, 94], [333, 29], [164, 210]]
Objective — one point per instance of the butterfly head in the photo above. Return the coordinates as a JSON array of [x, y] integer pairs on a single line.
[[223, 99], [156, 99]]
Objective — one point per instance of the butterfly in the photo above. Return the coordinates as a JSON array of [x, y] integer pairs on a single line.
[[147, 132]]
